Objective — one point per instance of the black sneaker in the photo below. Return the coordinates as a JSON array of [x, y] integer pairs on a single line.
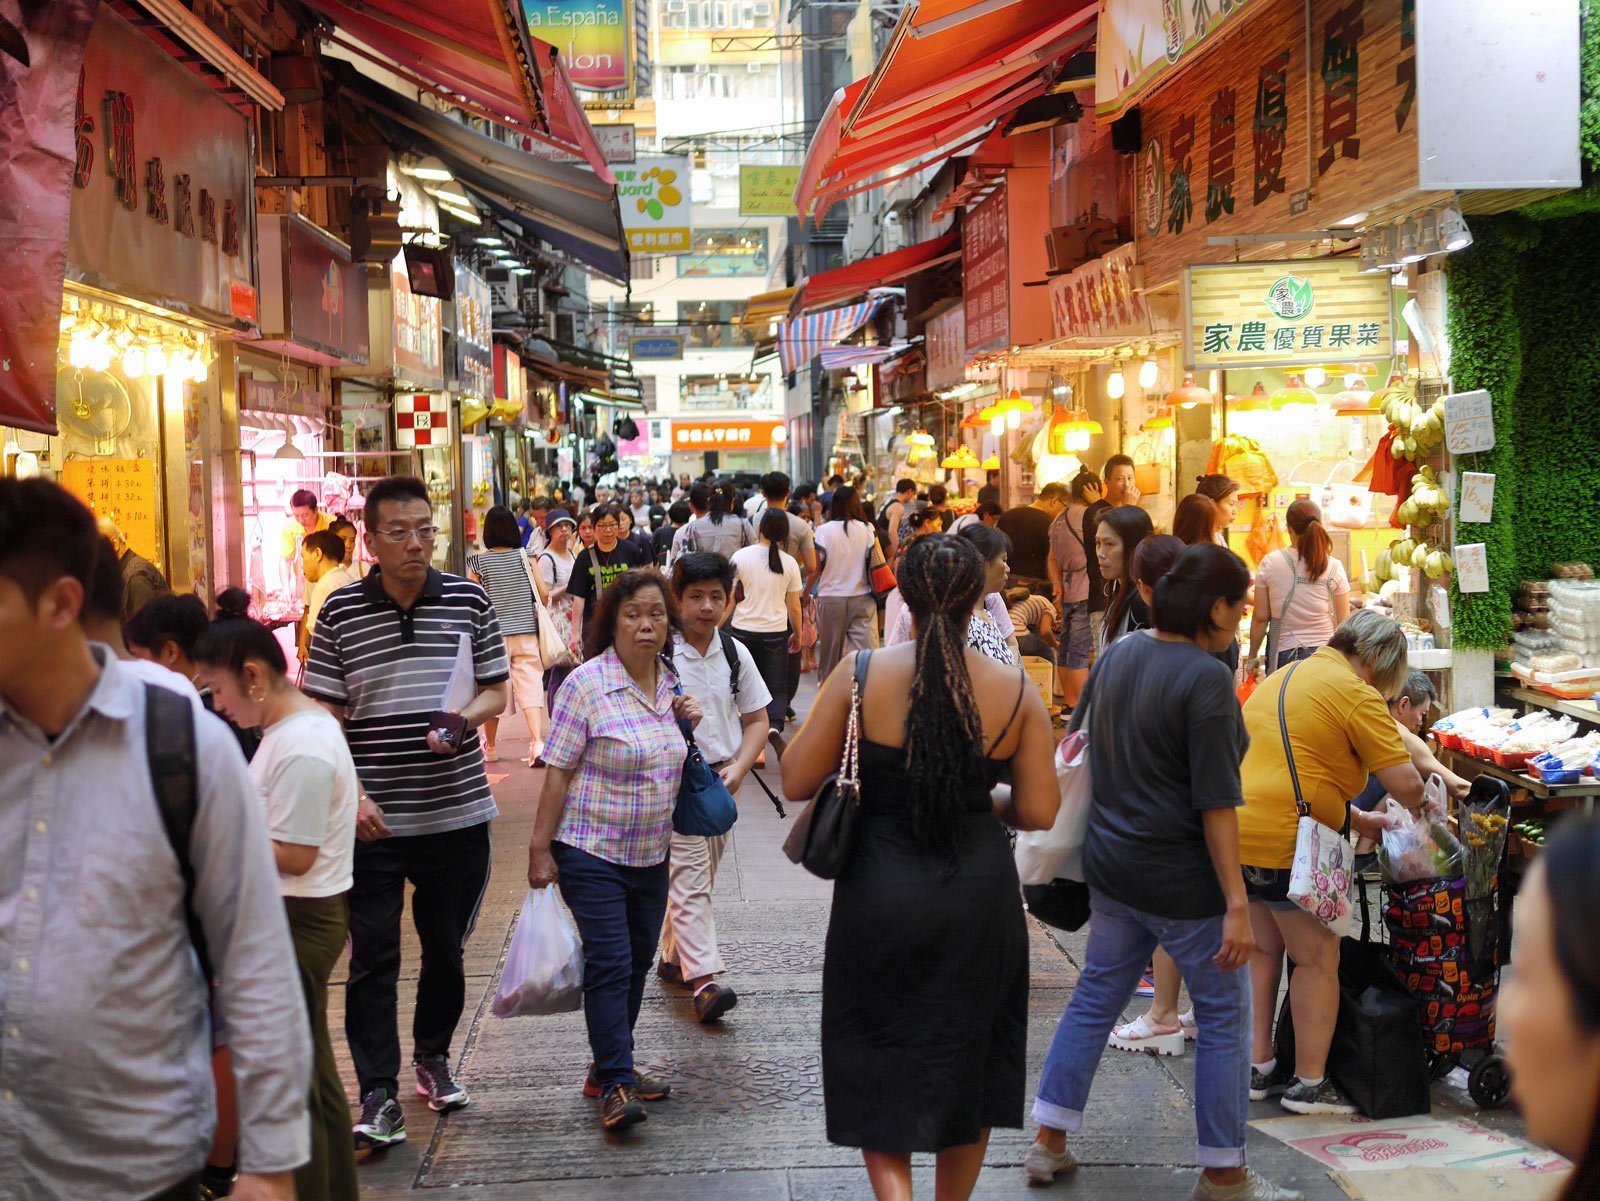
[[1325, 1097], [621, 1107], [382, 1123], [435, 1083], [1275, 1085]]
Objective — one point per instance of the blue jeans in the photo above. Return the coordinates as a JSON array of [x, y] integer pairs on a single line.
[[619, 911], [1121, 941]]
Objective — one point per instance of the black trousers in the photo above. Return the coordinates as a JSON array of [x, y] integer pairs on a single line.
[[796, 669], [771, 653], [450, 872]]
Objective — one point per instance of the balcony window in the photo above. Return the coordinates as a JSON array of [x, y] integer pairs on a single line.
[[713, 324], [724, 253], [708, 393]]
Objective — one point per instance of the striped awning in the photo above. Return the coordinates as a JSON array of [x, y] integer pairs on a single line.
[[836, 357], [803, 338]]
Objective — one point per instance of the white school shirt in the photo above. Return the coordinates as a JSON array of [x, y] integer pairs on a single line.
[[721, 729], [846, 544]]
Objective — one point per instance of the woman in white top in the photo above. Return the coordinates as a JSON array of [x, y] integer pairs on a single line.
[[554, 565], [846, 613], [1304, 591], [308, 786], [766, 607]]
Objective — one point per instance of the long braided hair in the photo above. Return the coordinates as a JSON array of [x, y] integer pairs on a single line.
[[941, 578]]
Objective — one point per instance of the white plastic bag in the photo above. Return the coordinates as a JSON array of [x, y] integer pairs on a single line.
[[544, 967], [1057, 853]]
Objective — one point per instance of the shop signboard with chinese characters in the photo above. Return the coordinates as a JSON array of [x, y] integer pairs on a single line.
[[986, 276], [163, 202], [312, 296], [123, 490], [1141, 42], [1230, 149], [767, 191], [475, 365], [617, 145], [510, 382], [1285, 314], [418, 355], [1105, 299], [727, 435], [654, 195], [945, 338]]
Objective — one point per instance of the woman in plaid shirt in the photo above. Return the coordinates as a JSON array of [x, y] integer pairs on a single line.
[[604, 827]]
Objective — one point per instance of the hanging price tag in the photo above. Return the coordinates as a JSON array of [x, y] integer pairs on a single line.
[[1472, 567], [1477, 496], [1468, 422]]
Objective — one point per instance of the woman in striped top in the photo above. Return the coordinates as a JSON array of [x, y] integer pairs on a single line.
[[502, 569]]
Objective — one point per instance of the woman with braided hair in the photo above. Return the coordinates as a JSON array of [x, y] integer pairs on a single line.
[[925, 978]]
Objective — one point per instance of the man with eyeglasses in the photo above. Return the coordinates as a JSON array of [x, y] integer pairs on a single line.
[[382, 660], [599, 564]]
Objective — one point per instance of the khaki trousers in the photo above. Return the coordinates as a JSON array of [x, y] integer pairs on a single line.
[[689, 935]]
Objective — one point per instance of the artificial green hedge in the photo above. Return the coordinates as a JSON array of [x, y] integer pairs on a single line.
[[1524, 318]]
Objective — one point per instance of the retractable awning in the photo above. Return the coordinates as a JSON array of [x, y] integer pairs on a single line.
[[567, 205], [831, 288], [950, 69], [764, 307], [804, 337], [836, 357]]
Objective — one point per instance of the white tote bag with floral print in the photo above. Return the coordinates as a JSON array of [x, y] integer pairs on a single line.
[[1321, 880]]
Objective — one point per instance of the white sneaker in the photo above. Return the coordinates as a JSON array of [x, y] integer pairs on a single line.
[[1252, 1188], [1191, 1029], [1138, 1036], [1044, 1165]]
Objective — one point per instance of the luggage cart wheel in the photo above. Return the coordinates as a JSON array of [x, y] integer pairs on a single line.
[[1489, 1082]]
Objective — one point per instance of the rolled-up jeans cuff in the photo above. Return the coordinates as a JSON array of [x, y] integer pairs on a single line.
[[1055, 1117], [1219, 1157]]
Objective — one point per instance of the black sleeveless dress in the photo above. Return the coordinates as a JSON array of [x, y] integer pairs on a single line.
[[925, 977]]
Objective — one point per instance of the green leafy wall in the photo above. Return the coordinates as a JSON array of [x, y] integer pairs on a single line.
[[1524, 306]]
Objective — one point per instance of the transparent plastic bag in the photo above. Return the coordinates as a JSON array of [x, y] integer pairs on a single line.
[[1418, 844], [544, 967]]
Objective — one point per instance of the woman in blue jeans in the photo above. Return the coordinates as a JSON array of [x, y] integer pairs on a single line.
[[1162, 863], [604, 824]]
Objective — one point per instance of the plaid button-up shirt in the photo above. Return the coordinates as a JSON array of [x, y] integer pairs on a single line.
[[626, 753]]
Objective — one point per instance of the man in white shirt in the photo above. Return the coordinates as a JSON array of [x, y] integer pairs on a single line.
[[718, 672], [323, 555]]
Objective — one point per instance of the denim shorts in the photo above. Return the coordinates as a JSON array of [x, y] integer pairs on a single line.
[[1073, 651], [1269, 886]]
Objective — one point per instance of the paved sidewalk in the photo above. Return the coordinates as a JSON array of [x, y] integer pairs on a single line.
[[745, 1119]]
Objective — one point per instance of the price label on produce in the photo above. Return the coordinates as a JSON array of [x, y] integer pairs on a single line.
[[1468, 422]]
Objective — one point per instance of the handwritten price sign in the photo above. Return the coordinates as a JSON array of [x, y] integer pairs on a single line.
[[1477, 496], [1472, 567], [1468, 422]]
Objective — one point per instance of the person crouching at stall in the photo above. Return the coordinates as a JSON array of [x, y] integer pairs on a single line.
[[720, 673]]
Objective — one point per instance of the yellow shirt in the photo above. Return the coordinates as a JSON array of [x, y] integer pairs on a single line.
[[294, 534], [1340, 731]]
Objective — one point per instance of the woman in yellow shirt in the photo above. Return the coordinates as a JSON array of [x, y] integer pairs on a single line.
[[1340, 730]]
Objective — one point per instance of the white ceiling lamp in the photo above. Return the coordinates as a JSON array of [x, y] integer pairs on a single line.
[[289, 452], [1148, 374], [467, 215], [1315, 377], [430, 168], [1116, 386], [448, 192]]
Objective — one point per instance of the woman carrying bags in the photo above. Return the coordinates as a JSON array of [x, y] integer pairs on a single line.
[[510, 580], [1302, 590], [603, 829]]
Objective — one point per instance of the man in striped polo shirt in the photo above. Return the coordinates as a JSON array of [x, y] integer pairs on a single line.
[[381, 660]]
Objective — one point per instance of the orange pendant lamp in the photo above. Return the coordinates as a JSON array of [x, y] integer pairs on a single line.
[[1257, 401], [1294, 393], [1356, 401], [1188, 394]]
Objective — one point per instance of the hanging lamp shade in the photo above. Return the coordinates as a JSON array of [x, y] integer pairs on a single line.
[[1161, 421], [920, 438], [973, 420], [1292, 393], [1059, 441], [1356, 400], [962, 460], [992, 463], [1188, 394], [1257, 401]]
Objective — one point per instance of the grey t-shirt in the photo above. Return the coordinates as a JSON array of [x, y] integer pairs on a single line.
[[1167, 740], [798, 542]]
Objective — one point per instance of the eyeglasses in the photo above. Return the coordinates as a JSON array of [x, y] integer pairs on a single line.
[[607, 525], [423, 534]]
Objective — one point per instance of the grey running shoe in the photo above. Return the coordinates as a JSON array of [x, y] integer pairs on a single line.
[[1044, 1165], [1275, 1085], [435, 1082], [1253, 1188], [1317, 1098], [382, 1122]]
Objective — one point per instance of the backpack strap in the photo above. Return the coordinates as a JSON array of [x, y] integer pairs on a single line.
[[174, 772], [730, 652]]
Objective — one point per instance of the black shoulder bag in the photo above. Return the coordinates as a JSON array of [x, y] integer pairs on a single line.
[[825, 834]]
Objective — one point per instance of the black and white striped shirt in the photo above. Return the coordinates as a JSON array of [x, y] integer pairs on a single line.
[[389, 668], [506, 581]]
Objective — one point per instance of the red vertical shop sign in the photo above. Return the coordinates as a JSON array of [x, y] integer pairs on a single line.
[[986, 276], [41, 149]]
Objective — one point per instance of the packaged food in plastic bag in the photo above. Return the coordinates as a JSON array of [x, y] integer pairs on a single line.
[[1418, 844], [544, 967]]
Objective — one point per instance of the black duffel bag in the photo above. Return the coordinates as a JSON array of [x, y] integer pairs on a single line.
[[1063, 904]]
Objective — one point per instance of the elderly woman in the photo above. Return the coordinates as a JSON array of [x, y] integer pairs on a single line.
[[1335, 708], [604, 824]]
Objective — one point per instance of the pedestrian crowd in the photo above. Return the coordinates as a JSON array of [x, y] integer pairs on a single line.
[[190, 817]]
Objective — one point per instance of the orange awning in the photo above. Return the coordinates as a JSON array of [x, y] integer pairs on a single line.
[[767, 306], [831, 288], [951, 68]]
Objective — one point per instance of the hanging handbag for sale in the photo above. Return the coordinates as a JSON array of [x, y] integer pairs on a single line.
[[824, 835], [1324, 861], [705, 808]]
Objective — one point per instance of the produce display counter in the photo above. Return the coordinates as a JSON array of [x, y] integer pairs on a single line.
[[1582, 710], [1469, 766]]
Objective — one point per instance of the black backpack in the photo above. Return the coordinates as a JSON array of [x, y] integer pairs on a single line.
[[170, 751]]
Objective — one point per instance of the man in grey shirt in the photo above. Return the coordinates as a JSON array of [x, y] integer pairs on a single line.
[[105, 1046]]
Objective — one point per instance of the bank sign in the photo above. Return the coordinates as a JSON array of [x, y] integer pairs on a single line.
[[1285, 314], [592, 35]]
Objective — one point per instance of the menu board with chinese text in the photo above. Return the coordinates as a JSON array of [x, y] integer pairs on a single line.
[[123, 490]]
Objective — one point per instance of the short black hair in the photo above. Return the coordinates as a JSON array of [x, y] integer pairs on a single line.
[[45, 533], [680, 513], [937, 495], [988, 508], [699, 568], [775, 486], [700, 496], [168, 617], [326, 543], [303, 498], [104, 597], [804, 492], [499, 528], [991, 541], [394, 487], [1114, 462], [1203, 574], [904, 485], [835, 480]]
